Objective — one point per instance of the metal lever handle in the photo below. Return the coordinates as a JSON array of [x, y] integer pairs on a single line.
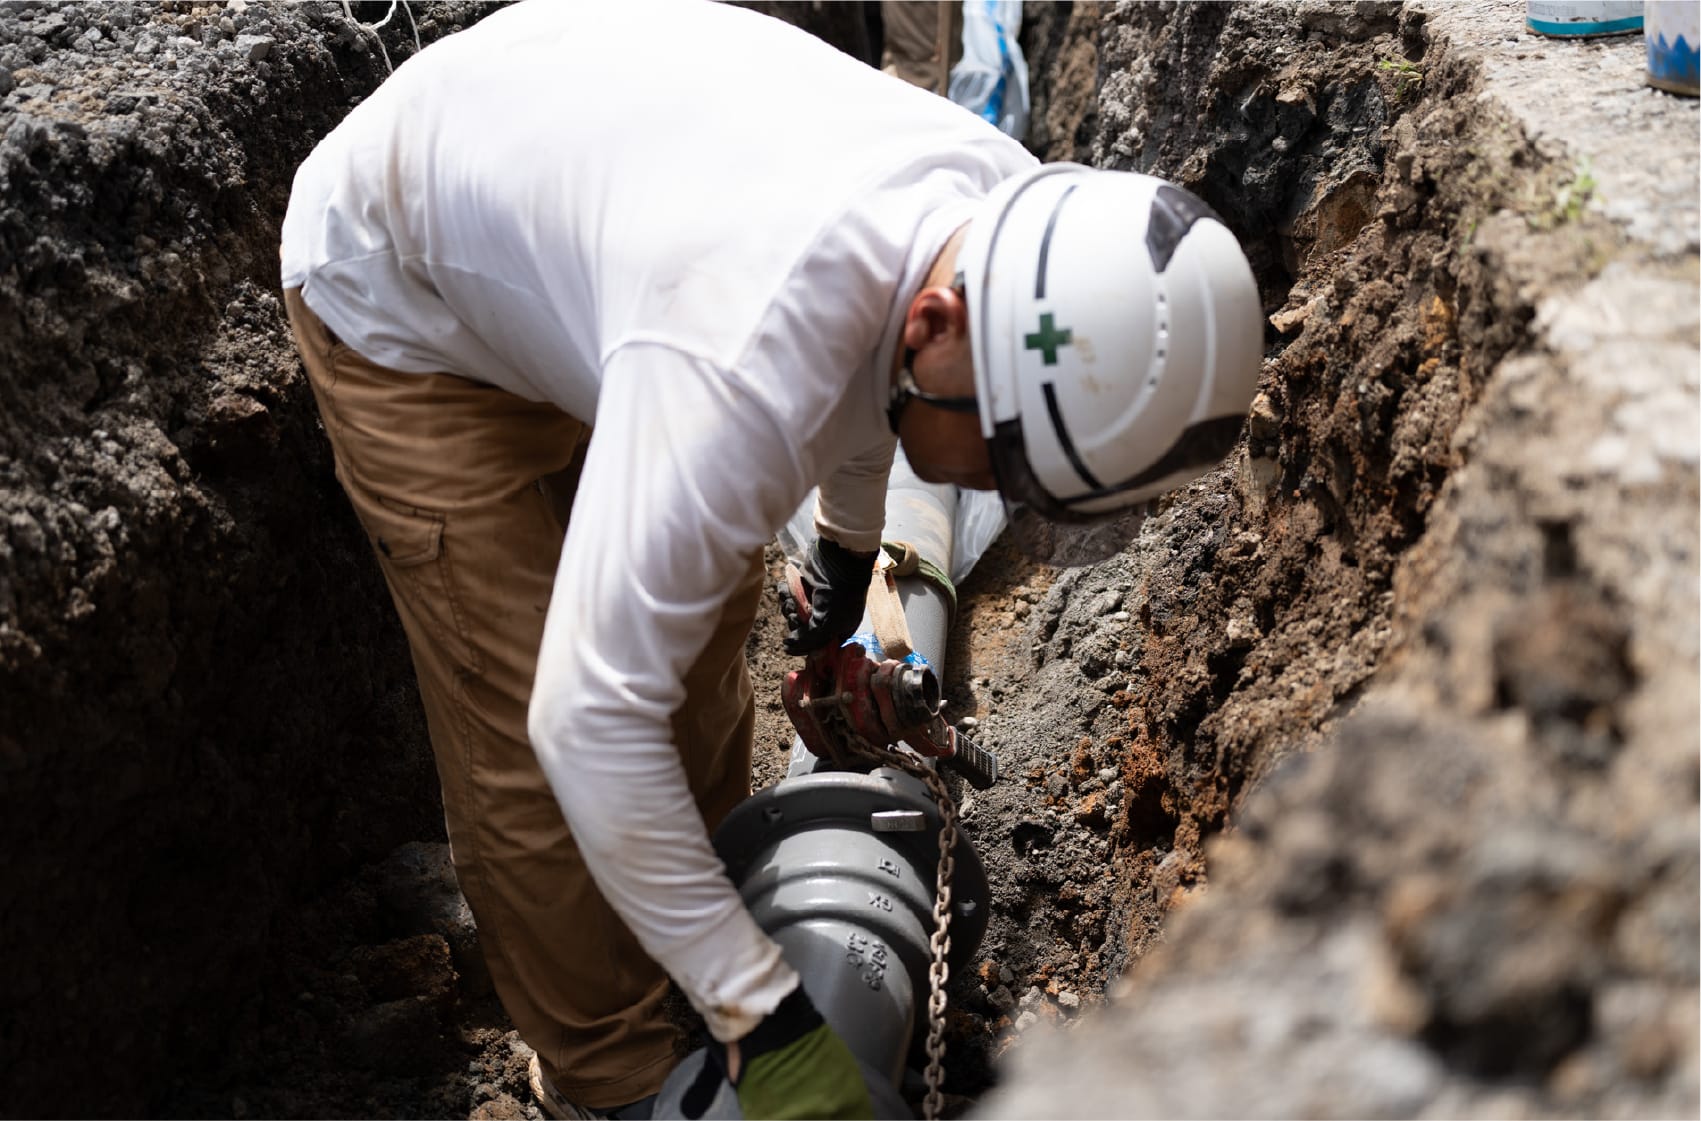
[[978, 766]]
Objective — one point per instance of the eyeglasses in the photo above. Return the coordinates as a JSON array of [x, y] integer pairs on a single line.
[[905, 389]]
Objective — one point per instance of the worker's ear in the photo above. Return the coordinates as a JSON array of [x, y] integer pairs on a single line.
[[936, 314]]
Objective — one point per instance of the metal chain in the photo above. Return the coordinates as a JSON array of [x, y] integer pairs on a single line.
[[938, 972]]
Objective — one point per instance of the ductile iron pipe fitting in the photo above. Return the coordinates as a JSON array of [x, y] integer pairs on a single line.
[[839, 867]]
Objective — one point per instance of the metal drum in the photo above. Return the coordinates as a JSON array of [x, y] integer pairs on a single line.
[[1578, 19], [1672, 31]]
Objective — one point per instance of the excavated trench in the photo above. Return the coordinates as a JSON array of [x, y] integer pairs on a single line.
[[1377, 700]]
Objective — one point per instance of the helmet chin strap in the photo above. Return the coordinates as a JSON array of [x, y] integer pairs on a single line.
[[905, 390]]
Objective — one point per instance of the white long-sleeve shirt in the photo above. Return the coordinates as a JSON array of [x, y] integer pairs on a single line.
[[697, 228]]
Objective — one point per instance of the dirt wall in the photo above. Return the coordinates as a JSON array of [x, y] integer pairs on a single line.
[[1395, 762], [176, 562]]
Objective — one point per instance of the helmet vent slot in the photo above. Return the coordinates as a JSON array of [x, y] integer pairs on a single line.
[[1173, 213]]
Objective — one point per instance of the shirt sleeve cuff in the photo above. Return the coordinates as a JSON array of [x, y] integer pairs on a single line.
[[734, 976]]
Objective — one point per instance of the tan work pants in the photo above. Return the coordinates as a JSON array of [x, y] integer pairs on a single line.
[[464, 490], [913, 49]]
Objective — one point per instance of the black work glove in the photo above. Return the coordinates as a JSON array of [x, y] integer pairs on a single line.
[[790, 1065], [836, 582]]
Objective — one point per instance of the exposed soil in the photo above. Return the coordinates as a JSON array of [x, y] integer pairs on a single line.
[[194, 672], [1363, 784], [1374, 648]]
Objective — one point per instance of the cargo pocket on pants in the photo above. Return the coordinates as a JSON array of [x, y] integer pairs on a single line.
[[409, 543]]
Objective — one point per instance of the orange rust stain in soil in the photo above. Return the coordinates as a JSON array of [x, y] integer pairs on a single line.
[[1187, 833], [1089, 811], [1140, 864], [1440, 322], [1082, 764], [1181, 896], [1142, 764], [1207, 806], [1144, 773]]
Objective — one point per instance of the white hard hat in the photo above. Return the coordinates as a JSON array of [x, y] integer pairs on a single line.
[[1117, 335]]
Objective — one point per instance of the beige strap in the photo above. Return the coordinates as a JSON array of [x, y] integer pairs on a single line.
[[886, 610]]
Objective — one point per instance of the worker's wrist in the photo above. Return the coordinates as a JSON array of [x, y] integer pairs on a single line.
[[732, 973], [794, 1017], [839, 565], [842, 557]]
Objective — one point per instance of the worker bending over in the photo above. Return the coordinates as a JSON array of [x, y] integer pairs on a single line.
[[637, 278]]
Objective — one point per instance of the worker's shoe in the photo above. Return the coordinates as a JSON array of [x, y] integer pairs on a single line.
[[556, 1105]]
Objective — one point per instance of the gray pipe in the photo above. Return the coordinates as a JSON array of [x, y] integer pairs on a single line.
[[839, 867]]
